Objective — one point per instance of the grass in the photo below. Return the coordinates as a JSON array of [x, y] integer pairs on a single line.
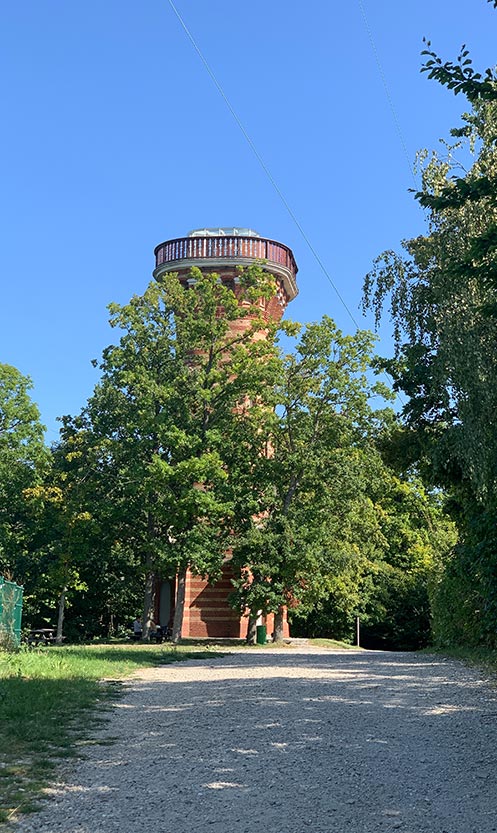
[[240, 644], [334, 643], [484, 658], [50, 698], [318, 643]]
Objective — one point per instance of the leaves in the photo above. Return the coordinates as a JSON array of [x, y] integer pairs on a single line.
[[23, 461], [460, 77], [302, 514], [441, 294], [149, 451]]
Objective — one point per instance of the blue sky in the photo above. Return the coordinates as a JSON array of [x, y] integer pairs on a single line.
[[115, 138]]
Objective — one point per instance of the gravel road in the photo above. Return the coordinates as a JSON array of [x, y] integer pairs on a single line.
[[287, 741]]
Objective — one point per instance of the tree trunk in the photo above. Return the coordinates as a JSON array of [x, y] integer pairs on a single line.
[[179, 607], [60, 618], [278, 625], [149, 594], [252, 629], [148, 603]]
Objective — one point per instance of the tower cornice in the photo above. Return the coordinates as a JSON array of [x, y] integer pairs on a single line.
[[219, 251]]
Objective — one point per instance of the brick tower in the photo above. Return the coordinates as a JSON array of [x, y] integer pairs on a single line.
[[207, 612]]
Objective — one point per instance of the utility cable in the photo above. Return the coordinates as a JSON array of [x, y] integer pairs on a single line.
[[261, 162], [387, 92], [265, 167]]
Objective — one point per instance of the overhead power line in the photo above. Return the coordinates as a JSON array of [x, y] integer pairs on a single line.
[[387, 92], [262, 163], [266, 169]]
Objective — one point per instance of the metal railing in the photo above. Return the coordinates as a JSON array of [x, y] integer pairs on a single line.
[[225, 247]]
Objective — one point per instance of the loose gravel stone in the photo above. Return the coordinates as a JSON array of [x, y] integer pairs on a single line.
[[289, 741]]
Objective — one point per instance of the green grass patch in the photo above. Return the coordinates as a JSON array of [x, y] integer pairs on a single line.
[[334, 643], [241, 644], [50, 698], [484, 658]]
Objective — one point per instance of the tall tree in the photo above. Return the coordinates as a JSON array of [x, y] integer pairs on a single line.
[[302, 475], [443, 301], [60, 543], [23, 461], [154, 434], [401, 536]]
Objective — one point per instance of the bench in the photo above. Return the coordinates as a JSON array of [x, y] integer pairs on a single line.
[[161, 634], [42, 636]]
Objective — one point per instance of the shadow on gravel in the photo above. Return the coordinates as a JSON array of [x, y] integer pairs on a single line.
[[323, 742], [319, 741]]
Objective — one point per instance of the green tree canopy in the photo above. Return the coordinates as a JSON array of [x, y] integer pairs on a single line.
[[301, 512], [154, 435], [23, 459], [442, 296]]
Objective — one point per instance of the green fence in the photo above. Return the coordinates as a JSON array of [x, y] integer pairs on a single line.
[[10, 614]]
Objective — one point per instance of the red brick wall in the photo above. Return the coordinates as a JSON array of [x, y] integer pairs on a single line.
[[207, 611]]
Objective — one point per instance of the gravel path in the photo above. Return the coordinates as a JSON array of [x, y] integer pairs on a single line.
[[289, 741]]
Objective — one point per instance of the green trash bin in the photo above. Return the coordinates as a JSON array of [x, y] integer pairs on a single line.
[[261, 635]]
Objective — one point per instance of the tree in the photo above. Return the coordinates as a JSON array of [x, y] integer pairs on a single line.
[[416, 536], [60, 542], [398, 536], [443, 303], [154, 435], [23, 461], [301, 474]]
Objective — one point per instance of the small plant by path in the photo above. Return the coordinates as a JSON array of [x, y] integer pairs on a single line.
[[49, 700]]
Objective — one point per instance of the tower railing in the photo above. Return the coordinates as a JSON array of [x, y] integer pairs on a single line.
[[225, 248]]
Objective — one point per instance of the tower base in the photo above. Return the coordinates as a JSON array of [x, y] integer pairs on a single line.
[[207, 611]]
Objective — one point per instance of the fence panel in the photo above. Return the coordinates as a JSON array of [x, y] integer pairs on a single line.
[[10, 614]]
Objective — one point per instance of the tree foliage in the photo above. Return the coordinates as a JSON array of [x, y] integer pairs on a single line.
[[23, 462], [302, 514], [203, 442], [154, 435], [442, 295]]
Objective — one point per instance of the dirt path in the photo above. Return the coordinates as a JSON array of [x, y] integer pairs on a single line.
[[286, 742]]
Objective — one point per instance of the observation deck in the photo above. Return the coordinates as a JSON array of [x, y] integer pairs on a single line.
[[219, 249]]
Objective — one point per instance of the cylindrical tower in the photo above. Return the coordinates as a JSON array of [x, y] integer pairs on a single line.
[[222, 250]]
